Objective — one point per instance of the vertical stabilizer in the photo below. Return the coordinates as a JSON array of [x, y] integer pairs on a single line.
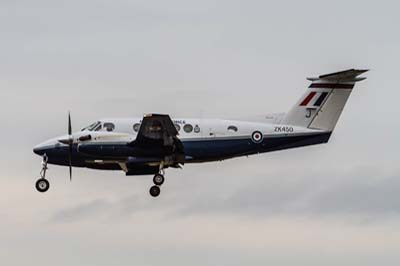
[[320, 107]]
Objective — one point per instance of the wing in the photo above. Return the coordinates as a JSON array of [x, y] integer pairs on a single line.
[[158, 136]]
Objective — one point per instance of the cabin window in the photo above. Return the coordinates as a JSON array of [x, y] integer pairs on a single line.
[[136, 127], [178, 127], [188, 128], [197, 129], [109, 126], [232, 128]]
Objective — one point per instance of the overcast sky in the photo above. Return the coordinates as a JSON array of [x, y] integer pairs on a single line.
[[335, 204]]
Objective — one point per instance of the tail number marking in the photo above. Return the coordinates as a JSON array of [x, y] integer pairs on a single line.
[[284, 129]]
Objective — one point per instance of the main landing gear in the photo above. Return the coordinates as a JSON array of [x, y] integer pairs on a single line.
[[42, 185], [158, 180]]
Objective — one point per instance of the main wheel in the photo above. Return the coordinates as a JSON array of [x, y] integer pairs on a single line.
[[158, 179], [42, 185], [155, 191]]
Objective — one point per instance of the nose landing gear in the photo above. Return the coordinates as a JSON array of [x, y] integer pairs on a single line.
[[42, 185]]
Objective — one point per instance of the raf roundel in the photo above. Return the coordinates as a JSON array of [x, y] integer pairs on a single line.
[[257, 137]]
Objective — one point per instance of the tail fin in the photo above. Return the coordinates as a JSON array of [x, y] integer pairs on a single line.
[[321, 106]]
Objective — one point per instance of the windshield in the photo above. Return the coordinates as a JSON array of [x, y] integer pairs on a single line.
[[93, 127]]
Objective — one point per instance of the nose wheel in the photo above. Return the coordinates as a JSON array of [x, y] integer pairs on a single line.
[[42, 185]]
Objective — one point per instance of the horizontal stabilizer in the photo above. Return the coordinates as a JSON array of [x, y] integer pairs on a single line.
[[350, 75]]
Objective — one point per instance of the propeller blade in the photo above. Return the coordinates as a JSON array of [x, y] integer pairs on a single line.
[[69, 124], [70, 161], [70, 142]]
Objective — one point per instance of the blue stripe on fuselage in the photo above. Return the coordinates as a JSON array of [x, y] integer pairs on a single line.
[[219, 149], [199, 150]]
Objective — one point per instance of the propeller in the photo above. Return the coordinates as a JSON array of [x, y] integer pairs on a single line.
[[70, 142]]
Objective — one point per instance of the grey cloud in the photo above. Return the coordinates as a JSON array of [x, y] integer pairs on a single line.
[[374, 197], [362, 197], [80, 211]]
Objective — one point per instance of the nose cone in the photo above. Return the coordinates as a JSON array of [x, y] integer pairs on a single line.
[[45, 147], [39, 150]]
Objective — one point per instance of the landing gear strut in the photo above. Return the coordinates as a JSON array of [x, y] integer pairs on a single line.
[[158, 180], [42, 185]]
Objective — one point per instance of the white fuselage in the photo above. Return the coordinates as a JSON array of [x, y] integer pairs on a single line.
[[196, 129]]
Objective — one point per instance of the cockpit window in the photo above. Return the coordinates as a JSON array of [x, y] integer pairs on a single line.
[[93, 127], [109, 126], [97, 128]]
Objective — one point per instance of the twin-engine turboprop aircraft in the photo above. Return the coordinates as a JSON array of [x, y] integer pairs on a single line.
[[148, 145]]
